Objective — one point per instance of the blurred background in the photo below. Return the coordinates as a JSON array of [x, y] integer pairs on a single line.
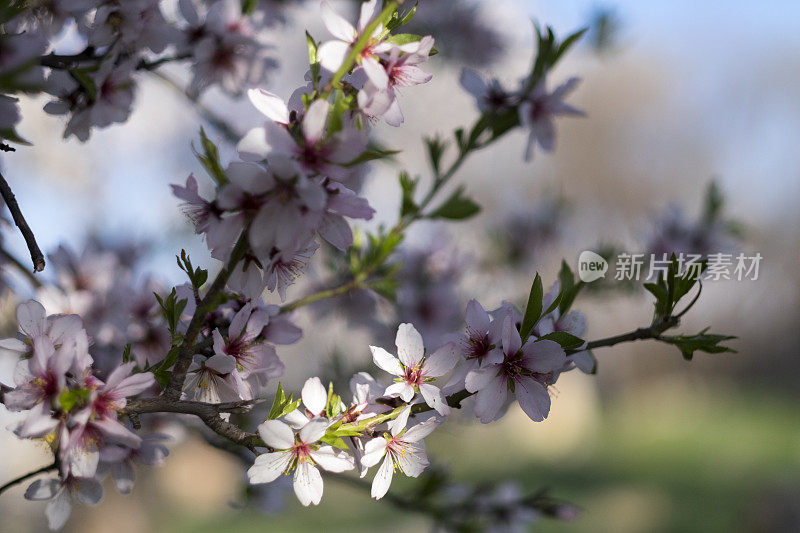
[[679, 95]]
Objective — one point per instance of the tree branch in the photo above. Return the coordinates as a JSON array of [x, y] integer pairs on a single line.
[[36, 254], [186, 350], [29, 475]]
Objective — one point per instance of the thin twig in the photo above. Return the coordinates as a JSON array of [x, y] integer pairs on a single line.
[[20, 479], [36, 254]]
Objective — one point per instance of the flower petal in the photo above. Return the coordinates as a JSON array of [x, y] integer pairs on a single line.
[[314, 396], [386, 361], [268, 467], [331, 460], [270, 104], [307, 483], [441, 361], [276, 434], [533, 398], [383, 479], [410, 347], [433, 397]]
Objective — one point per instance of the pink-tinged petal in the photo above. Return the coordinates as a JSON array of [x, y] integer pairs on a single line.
[[43, 351], [64, 327], [276, 434], [383, 479], [511, 339], [533, 398], [375, 72], [332, 54], [477, 319], [420, 431], [399, 424], [402, 389], [58, 511], [32, 318], [270, 105], [386, 361], [87, 491], [38, 423], [414, 461], [481, 378], [250, 177], [124, 476], [268, 467], [373, 451], [221, 363], [336, 231], [314, 430], [584, 361], [135, 384], [254, 146], [368, 12], [43, 489], [314, 396], [14, 345], [296, 419], [118, 374], [307, 483], [219, 342], [573, 323], [22, 398], [543, 356], [117, 432], [441, 361], [545, 326], [410, 348], [394, 115], [490, 399], [410, 75], [336, 24], [434, 398], [331, 460], [83, 462], [315, 120]]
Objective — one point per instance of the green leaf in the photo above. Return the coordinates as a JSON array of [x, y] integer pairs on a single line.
[[313, 61], [371, 155], [533, 311], [210, 159], [566, 340], [457, 207], [702, 342], [249, 6], [400, 39], [278, 403], [408, 186], [436, 148], [334, 441], [567, 43], [85, 81]]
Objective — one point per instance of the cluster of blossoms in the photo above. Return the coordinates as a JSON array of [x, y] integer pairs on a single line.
[[222, 41], [117, 307], [74, 411], [289, 186], [490, 360], [209, 349]]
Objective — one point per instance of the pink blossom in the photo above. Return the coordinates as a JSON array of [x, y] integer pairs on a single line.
[[414, 370], [526, 370]]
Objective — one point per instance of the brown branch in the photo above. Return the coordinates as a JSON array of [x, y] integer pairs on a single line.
[[19, 220], [20, 479], [187, 348]]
